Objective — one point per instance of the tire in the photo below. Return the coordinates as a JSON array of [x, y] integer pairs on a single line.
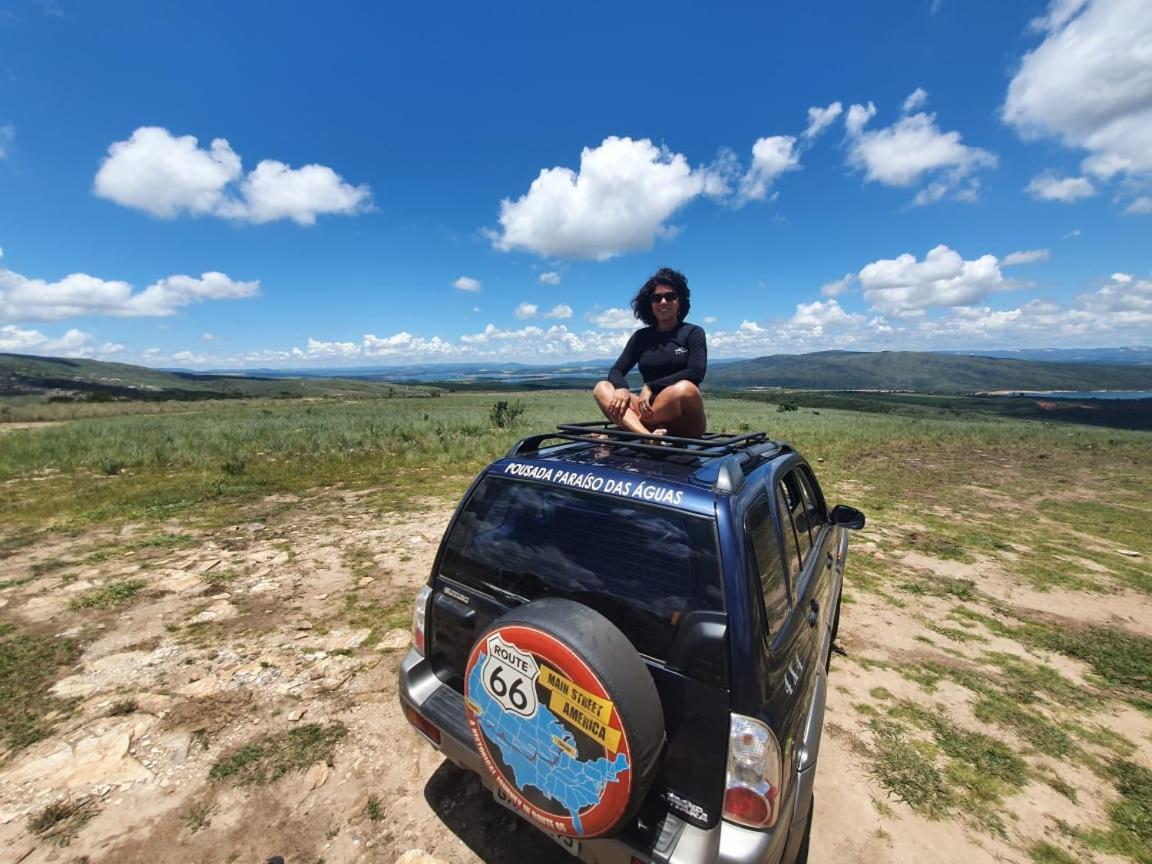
[[551, 684]]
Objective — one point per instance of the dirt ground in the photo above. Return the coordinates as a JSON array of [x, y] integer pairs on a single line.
[[305, 621]]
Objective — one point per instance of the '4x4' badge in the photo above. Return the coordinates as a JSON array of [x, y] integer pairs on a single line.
[[509, 675]]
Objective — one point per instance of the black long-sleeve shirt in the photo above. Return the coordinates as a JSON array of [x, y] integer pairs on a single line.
[[680, 354]]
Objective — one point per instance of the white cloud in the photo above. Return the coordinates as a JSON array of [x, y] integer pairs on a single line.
[[619, 201], [835, 289], [561, 310], [820, 118], [858, 117], [1089, 84], [275, 191], [467, 283], [1049, 187], [550, 278], [1141, 206], [168, 176], [208, 337], [771, 157], [191, 358], [912, 149], [916, 99], [615, 319], [164, 297], [1122, 278], [1028, 256], [904, 286], [1075, 232], [709, 319], [819, 314], [24, 299], [7, 137], [74, 343], [527, 310]]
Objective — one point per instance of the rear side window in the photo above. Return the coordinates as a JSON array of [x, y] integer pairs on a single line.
[[641, 567], [798, 507], [791, 547], [813, 503], [766, 552]]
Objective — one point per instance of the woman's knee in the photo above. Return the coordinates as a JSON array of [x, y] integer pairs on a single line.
[[685, 391], [603, 391]]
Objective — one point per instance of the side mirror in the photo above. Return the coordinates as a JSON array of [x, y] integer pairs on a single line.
[[844, 516]]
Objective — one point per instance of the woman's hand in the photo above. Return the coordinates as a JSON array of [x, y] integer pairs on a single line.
[[621, 400], [644, 401]]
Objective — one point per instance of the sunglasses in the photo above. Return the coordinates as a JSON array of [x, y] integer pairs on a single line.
[[666, 297]]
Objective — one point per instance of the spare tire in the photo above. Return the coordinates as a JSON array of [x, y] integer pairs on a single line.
[[565, 715]]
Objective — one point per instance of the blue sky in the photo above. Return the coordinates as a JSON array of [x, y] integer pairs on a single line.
[[289, 184]]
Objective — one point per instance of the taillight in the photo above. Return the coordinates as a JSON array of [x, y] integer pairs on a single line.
[[419, 614], [415, 718], [752, 796]]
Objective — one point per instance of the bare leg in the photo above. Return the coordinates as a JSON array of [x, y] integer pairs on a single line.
[[629, 420], [680, 410]]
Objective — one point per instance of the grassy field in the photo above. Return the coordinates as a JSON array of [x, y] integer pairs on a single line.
[[986, 627]]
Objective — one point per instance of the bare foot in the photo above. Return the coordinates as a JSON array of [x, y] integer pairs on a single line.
[[659, 431]]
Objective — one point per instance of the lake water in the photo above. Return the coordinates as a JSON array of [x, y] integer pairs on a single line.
[[1084, 394]]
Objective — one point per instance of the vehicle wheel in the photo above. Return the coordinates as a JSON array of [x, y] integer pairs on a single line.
[[565, 715], [802, 852]]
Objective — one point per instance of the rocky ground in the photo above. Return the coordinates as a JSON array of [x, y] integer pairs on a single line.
[[270, 646]]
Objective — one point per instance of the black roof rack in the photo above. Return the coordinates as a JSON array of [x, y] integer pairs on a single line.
[[602, 432]]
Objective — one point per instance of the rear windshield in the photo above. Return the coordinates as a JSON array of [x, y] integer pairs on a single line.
[[641, 567]]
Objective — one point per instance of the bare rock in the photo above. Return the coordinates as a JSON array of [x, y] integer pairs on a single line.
[[393, 639], [316, 776], [349, 641], [100, 758], [216, 612], [418, 856]]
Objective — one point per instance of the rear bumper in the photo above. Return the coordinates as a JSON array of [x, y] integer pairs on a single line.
[[676, 842]]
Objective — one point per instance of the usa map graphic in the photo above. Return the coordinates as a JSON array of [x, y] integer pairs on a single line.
[[527, 748]]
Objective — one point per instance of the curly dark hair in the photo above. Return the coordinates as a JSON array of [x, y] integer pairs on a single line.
[[642, 302]]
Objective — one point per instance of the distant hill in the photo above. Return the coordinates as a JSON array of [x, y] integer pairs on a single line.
[[1123, 356], [925, 372], [95, 380]]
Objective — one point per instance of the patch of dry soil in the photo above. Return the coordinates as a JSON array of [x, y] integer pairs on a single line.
[[296, 615]]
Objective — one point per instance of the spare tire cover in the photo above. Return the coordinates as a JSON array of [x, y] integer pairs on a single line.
[[565, 715]]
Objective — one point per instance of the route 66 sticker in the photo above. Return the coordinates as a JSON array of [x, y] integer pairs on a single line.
[[509, 675]]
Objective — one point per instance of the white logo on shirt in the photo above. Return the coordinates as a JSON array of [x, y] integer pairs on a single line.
[[681, 350]]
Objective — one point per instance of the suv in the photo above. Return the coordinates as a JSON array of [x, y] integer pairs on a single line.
[[628, 642]]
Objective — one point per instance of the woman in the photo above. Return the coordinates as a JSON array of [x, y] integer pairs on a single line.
[[672, 355]]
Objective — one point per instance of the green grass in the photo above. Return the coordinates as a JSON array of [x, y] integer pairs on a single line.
[[1034, 730], [376, 616], [29, 664], [115, 594], [1120, 661], [220, 577], [980, 770], [123, 707], [270, 757], [374, 810], [60, 822], [1027, 682], [198, 817], [1130, 832], [432, 447], [907, 772], [1046, 853]]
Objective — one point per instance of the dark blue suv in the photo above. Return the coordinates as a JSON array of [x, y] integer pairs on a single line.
[[627, 639]]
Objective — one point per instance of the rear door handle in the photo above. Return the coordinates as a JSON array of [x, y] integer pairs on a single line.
[[814, 613]]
